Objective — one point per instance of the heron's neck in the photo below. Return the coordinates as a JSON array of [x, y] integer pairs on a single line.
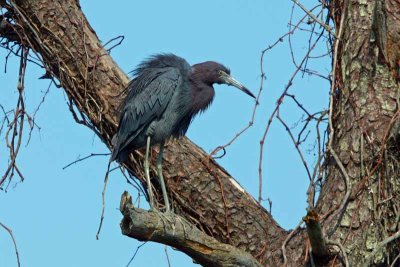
[[202, 93]]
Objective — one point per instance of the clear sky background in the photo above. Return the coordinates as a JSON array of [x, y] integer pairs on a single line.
[[54, 213]]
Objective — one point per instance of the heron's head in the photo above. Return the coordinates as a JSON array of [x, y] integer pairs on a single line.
[[212, 72]]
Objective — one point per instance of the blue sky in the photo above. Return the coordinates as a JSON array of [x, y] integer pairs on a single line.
[[54, 213]]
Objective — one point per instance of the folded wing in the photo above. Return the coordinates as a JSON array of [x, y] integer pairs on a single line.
[[148, 97]]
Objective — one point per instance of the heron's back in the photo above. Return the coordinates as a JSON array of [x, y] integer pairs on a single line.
[[157, 105]]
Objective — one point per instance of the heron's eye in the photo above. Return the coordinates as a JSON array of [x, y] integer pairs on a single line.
[[220, 72]]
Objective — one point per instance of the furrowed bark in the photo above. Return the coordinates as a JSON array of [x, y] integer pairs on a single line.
[[175, 231], [366, 135]]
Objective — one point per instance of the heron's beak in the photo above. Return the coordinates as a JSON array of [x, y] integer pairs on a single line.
[[229, 80]]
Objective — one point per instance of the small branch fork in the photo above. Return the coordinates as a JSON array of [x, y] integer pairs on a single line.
[[12, 38], [325, 26], [263, 75], [237, 135], [276, 111], [318, 243], [16, 126], [173, 230], [296, 144], [314, 39]]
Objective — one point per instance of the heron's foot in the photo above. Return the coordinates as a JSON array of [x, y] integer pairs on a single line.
[[163, 210], [170, 219], [166, 219], [153, 209]]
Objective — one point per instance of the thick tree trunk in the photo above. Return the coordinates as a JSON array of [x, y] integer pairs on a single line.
[[366, 132], [364, 144]]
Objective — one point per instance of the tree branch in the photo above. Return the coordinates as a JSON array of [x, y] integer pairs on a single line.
[[316, 236], [173, 230]]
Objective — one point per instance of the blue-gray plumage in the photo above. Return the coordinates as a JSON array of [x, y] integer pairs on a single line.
[[162, 100]]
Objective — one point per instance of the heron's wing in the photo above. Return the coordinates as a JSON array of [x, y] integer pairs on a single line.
[[147, 100]]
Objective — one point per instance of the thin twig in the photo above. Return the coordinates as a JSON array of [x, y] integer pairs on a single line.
[[103, 201], [166, 254], [278, 104], [13, 240], [134, 254], [279, 40], [395, 260], [380, 246], [331, 128], [84, 158], [136, 184], [348, 189], [342, 249], [34, 113], [121, 39], [284, 244], [325, 26], [19, 115], [296, 144]]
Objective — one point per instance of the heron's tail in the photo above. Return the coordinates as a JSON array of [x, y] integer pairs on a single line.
[[115, 150], [120, 150]]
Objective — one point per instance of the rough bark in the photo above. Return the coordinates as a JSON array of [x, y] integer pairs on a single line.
[[175, 231], [366, 135], [365, 138]]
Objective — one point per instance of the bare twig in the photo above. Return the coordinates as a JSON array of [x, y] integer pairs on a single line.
[[278, 104], [120, 39], [251, 122], [348, 189], [136, 251], [331, 128], [296, 144], [166, 254], [325, 26], [342, 249], [380, 246], [103, 200], [284, 244], [13, 240], [84, 158], [17, 124], [31, 120], [395, 260]]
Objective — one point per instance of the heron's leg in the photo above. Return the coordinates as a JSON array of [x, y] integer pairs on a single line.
[[147, 174], [161, 177]]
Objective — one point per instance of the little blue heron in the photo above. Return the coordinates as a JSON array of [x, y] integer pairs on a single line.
[[164, 96]]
